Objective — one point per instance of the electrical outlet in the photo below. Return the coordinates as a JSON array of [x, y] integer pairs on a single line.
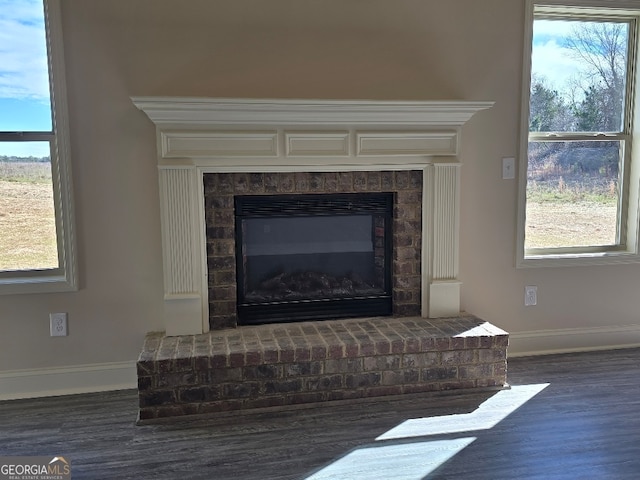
[[58, 324], [508, 168], [530, 295]]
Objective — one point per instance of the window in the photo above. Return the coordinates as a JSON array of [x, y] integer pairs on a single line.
[[36, 223], [579, 199]]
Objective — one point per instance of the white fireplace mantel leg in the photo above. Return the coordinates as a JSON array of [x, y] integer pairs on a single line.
[[441, 212], [184, 310]]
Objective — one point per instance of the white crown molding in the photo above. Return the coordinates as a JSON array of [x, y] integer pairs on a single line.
[[172, 112]]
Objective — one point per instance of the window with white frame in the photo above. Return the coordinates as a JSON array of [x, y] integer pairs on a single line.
[[578, 178], [36, 220]]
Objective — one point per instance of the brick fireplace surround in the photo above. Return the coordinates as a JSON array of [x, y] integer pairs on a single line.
[[219, 191], [213, 149]]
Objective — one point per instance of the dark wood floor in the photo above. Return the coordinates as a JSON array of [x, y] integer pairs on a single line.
[[584, 425]]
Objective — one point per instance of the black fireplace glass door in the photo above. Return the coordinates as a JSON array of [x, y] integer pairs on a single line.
[[315, 260]]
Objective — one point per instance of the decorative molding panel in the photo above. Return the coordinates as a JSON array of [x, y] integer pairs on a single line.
[[202, 145], [424, 143], [176, 187], [445, 222], [219, 144], [317, 144]]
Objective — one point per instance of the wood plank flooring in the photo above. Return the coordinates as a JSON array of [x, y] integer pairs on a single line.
[[585, 424]]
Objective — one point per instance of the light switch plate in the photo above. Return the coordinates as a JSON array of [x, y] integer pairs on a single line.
[[508, 168], [530, 295]]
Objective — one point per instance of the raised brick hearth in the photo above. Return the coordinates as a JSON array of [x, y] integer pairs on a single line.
[[284, 364]]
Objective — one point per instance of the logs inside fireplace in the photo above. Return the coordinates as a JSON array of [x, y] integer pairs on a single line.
[[313, 256]]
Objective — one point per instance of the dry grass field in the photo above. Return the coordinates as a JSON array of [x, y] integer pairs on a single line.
[[571, 211], [27, 217], [570, 224], [28, 235]]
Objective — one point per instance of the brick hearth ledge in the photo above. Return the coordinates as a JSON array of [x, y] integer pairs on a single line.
[[279, 365]]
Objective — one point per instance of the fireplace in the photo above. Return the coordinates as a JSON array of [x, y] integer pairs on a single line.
[[236, 173], [280, 145], [311, 257]]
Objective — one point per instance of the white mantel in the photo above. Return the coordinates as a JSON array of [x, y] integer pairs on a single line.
[[207, 135]]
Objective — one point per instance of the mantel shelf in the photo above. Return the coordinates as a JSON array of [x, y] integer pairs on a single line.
[[190, 112]]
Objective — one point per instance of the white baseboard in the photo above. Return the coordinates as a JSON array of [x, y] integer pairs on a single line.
[[567, 340], [101, 377], [49, 382]]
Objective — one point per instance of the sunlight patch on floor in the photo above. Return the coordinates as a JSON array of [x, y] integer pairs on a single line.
[[486, 416], [407, 461], [413, 460]]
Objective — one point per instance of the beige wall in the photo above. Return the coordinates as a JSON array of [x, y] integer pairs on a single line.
[[332, 49]]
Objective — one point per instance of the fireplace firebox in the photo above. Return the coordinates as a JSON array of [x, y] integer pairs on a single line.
[[313, 256]]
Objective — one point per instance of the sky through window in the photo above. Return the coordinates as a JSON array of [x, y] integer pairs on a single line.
[[24, 79]]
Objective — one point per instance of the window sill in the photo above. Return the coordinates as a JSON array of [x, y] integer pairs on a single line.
[[577, 259], [45, 281]]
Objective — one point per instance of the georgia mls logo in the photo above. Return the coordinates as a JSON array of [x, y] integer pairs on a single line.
[[60, 465], [34, 468]]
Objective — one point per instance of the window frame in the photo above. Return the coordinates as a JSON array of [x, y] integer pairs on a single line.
[[65, 277], [627, 248]]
